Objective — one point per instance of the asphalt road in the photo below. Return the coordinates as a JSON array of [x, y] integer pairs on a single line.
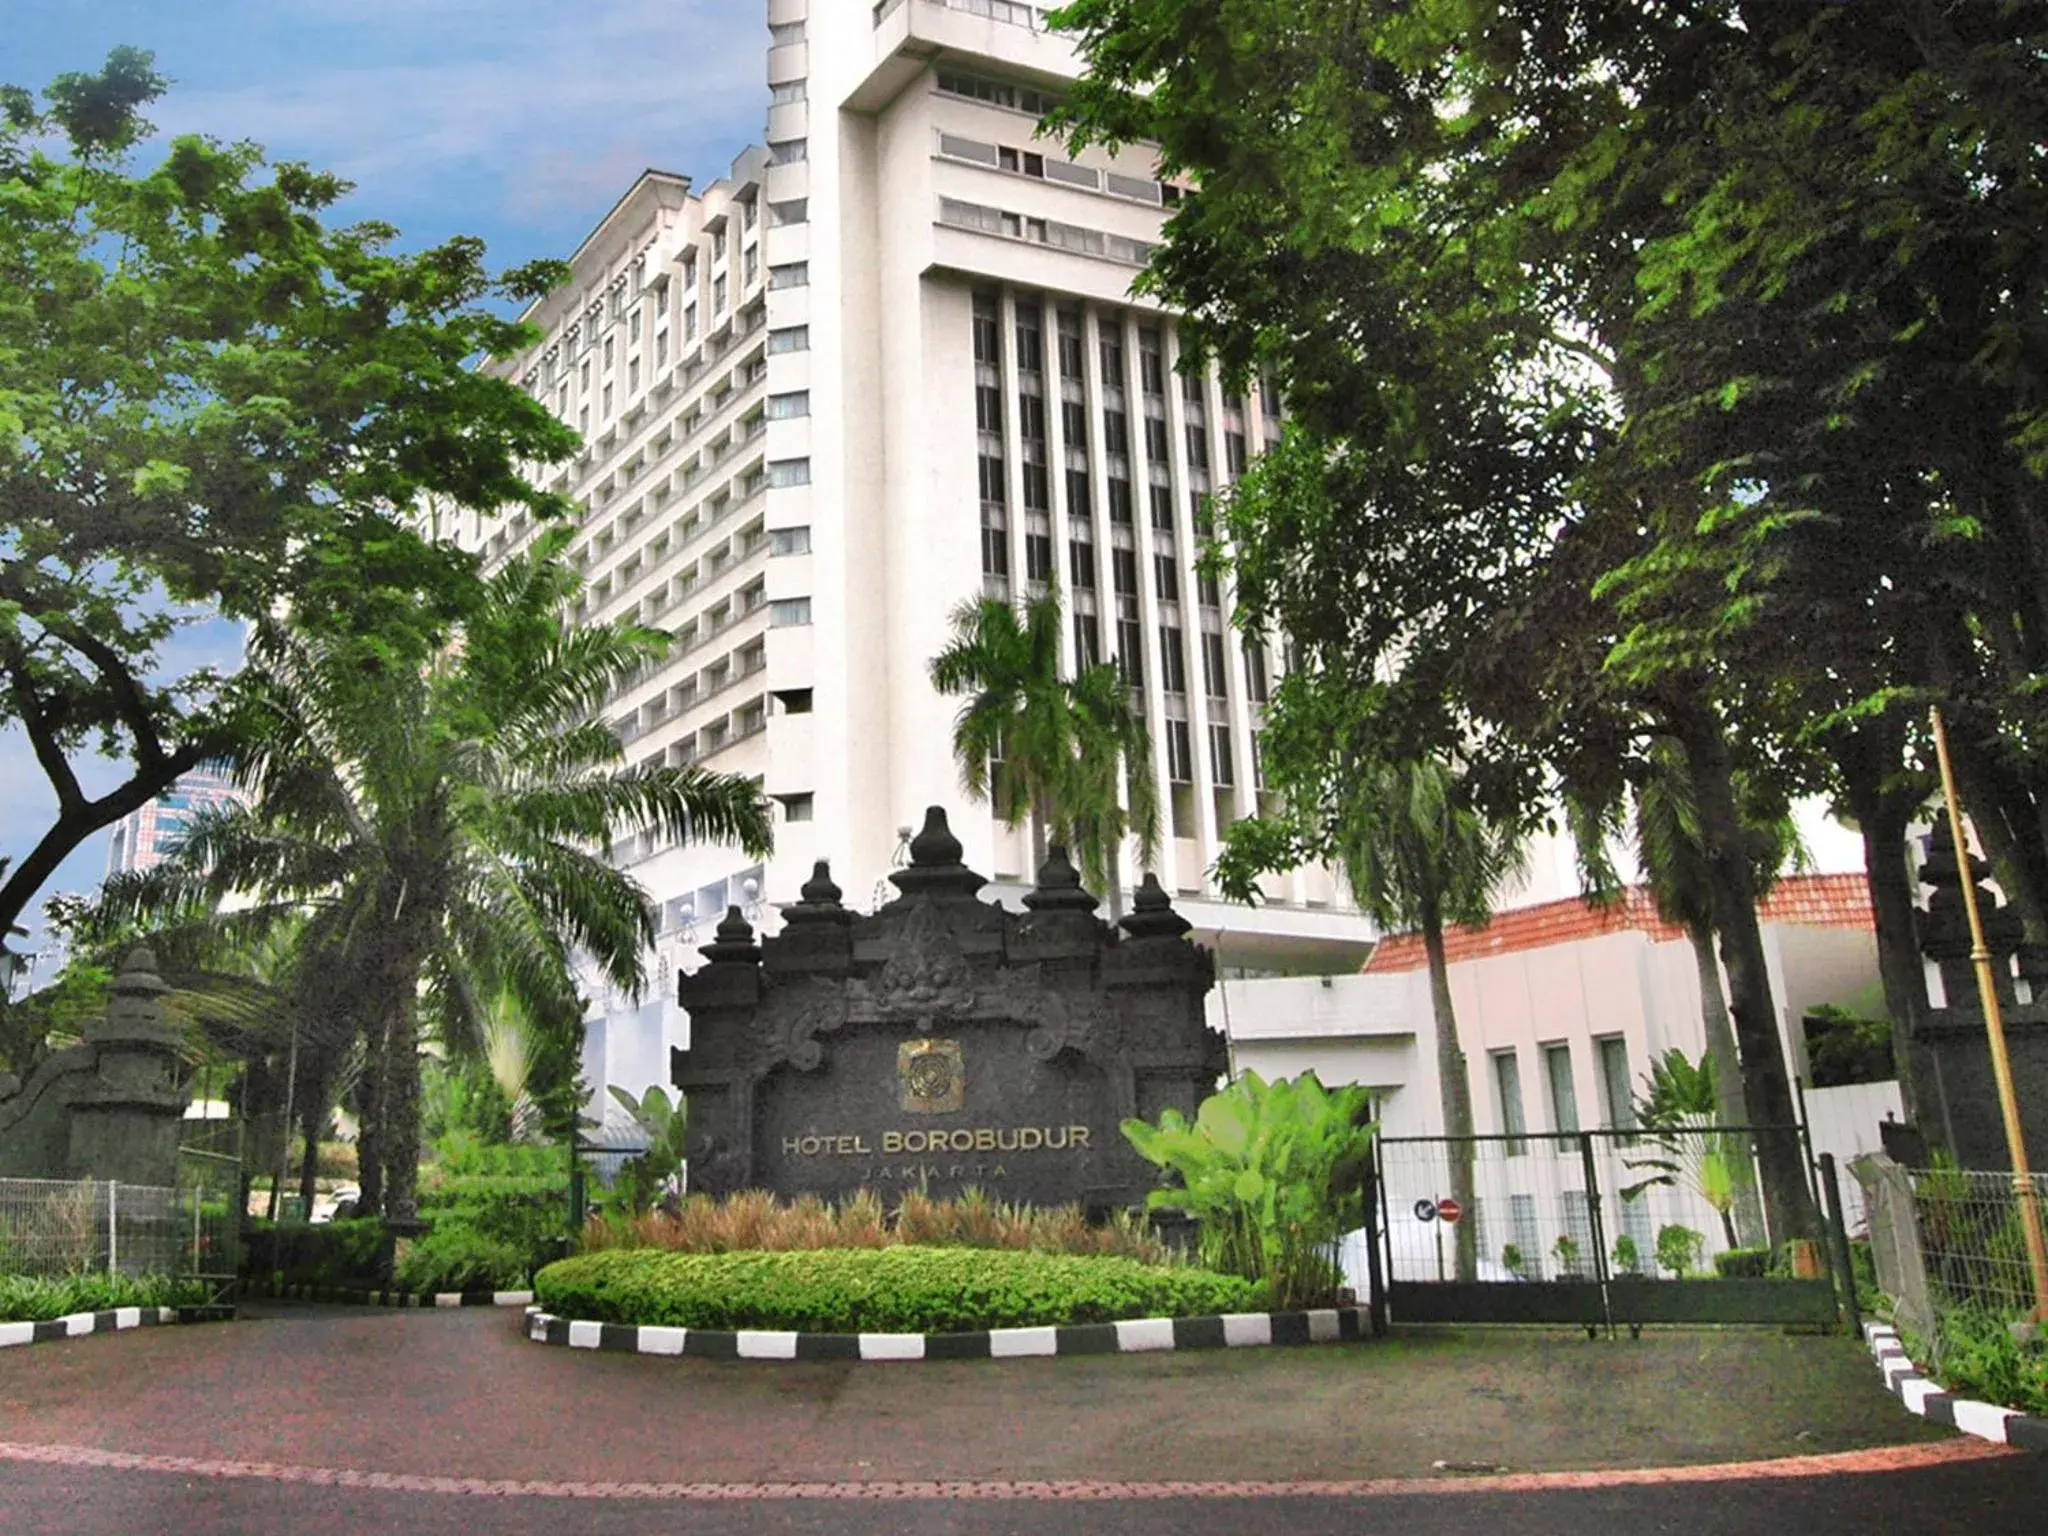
[[309, 1421]]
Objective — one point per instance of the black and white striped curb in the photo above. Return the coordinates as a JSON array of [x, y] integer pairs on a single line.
[[79, 1325], [1923, 1395], [1230, 1331], [265, 1290]]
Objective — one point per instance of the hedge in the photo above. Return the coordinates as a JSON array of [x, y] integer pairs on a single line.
[[901, 1289], [341, 1254]]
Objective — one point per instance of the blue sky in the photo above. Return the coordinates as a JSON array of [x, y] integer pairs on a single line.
[[517, 120]]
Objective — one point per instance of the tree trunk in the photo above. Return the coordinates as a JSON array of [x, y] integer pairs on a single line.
[[1730, 1105], [402, 1118], [370, 1131], [313, 1118], [1789, 1207], [1455, 1090], [1899, 966]]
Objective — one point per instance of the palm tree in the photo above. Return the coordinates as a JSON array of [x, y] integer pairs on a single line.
[[1418, 855], [446, 830], [1070, 753], [1671, 849]]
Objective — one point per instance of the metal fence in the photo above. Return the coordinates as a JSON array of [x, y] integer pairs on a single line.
[[1575, 1226], [58, 1227], [1949, 1249]]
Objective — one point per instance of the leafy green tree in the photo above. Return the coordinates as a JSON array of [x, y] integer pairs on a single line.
[[439, 824], [1681, 1111], [646, 1180], [1418, 857], [1435, 225], [211, 400], [1071, 753]]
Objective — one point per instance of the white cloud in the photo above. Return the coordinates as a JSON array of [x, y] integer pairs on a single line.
[[554, 107]]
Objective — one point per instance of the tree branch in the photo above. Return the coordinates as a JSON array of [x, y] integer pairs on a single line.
[[129, 701], [42, 736]]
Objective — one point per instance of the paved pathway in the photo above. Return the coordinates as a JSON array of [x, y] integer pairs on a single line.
[[324, 1419]]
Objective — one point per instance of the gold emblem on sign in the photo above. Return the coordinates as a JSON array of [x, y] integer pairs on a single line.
[[930, 1078]]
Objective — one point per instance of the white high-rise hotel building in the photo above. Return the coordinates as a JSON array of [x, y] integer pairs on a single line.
[[887, 363]]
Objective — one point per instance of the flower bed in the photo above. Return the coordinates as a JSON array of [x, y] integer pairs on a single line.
[[901, 1289]]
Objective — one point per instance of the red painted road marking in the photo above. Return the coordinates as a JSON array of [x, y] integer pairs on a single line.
[[1896, 1458]]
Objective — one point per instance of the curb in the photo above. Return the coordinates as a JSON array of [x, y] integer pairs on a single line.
[[79, 1325], [265, 1291], [1237, 1330], [1923, 1395]]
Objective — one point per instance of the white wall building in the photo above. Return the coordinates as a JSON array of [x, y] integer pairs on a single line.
[[890, 362]]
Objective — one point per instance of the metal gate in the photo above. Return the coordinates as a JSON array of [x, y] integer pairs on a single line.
[[1594, 1228], [207, 1210]]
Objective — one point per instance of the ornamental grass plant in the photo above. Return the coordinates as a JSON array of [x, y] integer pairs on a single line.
[[754, 1221], [37, 1299]]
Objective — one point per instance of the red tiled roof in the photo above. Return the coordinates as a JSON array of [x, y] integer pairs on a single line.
[[1814, 901]]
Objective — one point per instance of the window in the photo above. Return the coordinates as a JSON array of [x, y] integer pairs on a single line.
[[1123, 571], [1030, 339], [988, 408], [1219, 752], [1564, 1097], [795, 403], [1119, 501], [607, 402], [794, 701], [583, 420], [992, 479], [1081, 563], [1037, 556], [1037, 490], [718, 294], [1077, 493], [1116, 433], [795, 210], [1074, 423], [1087, 643], [750, 264], [1151, 363], [632, 375], [787, 152], [690, 322], [1166, 578], [1180, 754], [1255, 672], [789, 612], [718, 243], [1233, 453], [789, 541], [1507, 1082], [1173, 660], [789, 471], [1031, 418], [790, 338], [1214, 670], [661, 301], [1071, 352], [1130, 645], [995, 543], [1162, 508], [1198, 448], [790, 274], [1155, 439], [1528, 1236], [1112, 354], [660, 350], [987, 334], [583, 376], [784, 94], [1620, 1107], [798, 807]]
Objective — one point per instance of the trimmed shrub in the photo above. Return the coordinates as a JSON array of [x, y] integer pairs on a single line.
[[1743, 1263], [333, 1253], [455, 1256], [34, 1299], [900, 1289]]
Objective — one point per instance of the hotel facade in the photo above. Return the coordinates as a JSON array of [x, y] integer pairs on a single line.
[[890, 362]]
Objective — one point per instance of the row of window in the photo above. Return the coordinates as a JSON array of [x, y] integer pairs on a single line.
[[1027, 162], [1618, 1107], [957, 214]]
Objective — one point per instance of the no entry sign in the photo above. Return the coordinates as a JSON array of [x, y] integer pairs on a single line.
[[1448, 1209]]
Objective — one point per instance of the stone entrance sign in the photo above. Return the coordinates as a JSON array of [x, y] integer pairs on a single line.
[[944, 1041]]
